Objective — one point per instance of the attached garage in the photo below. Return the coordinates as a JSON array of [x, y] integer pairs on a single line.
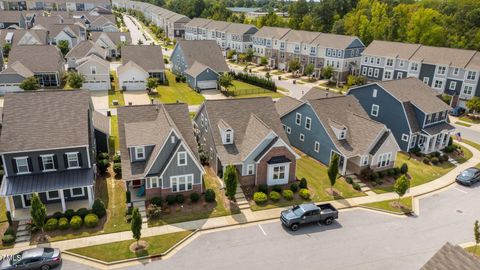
[[201, 77], [133, 85], [210, 84], [97, 85]]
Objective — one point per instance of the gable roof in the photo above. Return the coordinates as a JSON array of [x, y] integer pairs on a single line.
[[38, 58], [149, 57], [286, 104], [32, 118], [317, 93], [335, 41], [85, 48], [197, 22], [272, 32], [18, 68], [151, 125], [196, 69], [391, 49], [416, 92], [10, 16], [206, 52], [250, 118], [300, 36], [115, 37], [217, 25], [452, 257], [73, 30], [35, 36], [346, 111], [240, 28]]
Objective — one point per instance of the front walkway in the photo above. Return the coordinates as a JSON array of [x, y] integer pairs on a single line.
[[247, 215]]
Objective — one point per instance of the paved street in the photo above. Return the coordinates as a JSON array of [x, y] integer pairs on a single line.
[[135, 33], [468, 133], [361, 239]]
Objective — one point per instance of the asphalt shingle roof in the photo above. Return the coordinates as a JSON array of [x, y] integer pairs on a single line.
[[38, 37], [35, 120], [115, 37], [206, 52], [272, 32], [148, 57], [38, 58], [452, 257], [85, 48]]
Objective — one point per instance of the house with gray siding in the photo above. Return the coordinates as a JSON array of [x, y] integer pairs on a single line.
[[414, 113], [159, 154], [200, 61], [328, 126], [248, 134], [60, 170], [450, 71]]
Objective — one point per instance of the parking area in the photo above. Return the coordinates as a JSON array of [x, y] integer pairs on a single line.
[[136, 98], [100, 101]]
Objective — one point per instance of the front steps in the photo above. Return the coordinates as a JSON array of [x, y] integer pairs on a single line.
[[143, 212], [23, 234], [241, 200]]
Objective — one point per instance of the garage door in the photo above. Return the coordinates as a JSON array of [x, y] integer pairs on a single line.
[[207, 84], [134, 85], [96, 85]]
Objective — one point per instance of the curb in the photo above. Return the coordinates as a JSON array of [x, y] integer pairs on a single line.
[[386, 211]]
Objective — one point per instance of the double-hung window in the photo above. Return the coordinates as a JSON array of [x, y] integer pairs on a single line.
[[77, 192], [182, 158], [308, 123], [154, 182], [441, 70], [181, 183], [279, 172], [375, 109], [384, 160], [140, 152], [22, 165], [298, 119], [250, 169], [471, 75], [389, 62], [48, 163], [72, 160]]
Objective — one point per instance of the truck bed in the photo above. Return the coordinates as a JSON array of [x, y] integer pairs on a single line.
[[327, 208]]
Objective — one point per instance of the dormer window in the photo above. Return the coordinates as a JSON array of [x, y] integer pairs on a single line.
[[228, 136], [342, 135], [140, 152]]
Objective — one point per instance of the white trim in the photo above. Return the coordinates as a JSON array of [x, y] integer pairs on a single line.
[[75, 196], [53, 162], [298, 119], [3, 162], [68, 161], [405, 137], [16, 164], [375, 109], [23, 200], [88, 157], [316, 147], [250, 167], [309, 121], [302, 137], [42, 150], [52, 198], [288, 130], [150, 180], [184, 153], [178, 182], [136, 152]]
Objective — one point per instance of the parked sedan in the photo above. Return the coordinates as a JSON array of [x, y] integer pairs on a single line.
[[469, 177], [33, 259]]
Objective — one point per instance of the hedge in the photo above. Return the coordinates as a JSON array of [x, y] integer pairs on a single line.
[[254, 80]]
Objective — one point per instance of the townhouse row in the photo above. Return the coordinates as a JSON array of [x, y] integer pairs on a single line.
[[171, 22], [56, 5]]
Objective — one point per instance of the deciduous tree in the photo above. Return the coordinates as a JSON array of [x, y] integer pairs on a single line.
[[30, 83]]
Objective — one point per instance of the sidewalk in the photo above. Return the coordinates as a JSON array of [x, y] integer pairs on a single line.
[[247, 216]]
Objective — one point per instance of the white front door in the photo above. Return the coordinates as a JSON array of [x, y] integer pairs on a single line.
[[278, 174]]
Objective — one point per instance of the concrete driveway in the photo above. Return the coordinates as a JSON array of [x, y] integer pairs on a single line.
[[213, 94], [100, 101], [136, 98]]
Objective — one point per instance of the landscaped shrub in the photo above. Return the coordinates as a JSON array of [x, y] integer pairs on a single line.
[[52, 224], [91, 221], [356, 186], [69, 214], [260, 197], [171, 200], [76, 222], [349, 180], [63, 223], [287, 194], [8, 239], [58, 215], [277, 188], [294, 187], [435, 160], [157, 200], [165, 60], [366, 173], [194, 197], [391, 172], [397, 170], [209, 195], [128, 196], [304, 193], [374, 184], [436, 154], [257, 81], [381, 174], [117, 168], [274, 196], [9, 231], [82, 212], [116, 159], [303, 183], [379, 182], [404, 168], [103, 156], [426, 160], [9, 218], [416, 150], [445, 157], [98, 208], [263, 188], [374, 176], [449, 149], [103, 165], [180, 198]]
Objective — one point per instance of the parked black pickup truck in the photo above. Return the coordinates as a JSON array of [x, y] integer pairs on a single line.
[[308, 213]]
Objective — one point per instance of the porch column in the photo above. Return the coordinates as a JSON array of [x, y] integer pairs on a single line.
[[344, 167], [7, 204], [90, 197], [427, 144], [62, 199]]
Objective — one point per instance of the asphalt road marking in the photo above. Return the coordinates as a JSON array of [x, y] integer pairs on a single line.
[[461, 190], [261, 228]]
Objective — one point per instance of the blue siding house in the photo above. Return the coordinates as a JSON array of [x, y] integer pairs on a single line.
[[201, 62], [410, 109], [338, 125]]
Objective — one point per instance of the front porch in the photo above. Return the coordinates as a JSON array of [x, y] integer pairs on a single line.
[[137, 190], [429, 142], [24, 213]]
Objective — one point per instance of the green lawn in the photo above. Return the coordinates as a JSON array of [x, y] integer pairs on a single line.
[[115, 93], [470, 120], [472, 249], [198, 211], [246, 90], [387, 205], [114, 140], [467, 154], [472, 144], [112, 193], [420, 173], [120, 250], [333, 86], [181, 92], [318, 183], [462, 124], [3, 211]]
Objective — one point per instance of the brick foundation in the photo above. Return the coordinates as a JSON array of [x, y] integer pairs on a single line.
[[155, 192], [262, 170]]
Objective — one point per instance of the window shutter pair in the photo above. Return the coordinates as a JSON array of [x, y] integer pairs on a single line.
[[14, 165]]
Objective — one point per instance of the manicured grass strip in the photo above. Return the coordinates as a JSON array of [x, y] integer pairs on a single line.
[[467, 154], [420, 173], [3, 211], [115, 93], [117, 251], [387, 205], [114, 140], [462, 124], [181, 92], [469, 120], [473, 250], [472, 144]]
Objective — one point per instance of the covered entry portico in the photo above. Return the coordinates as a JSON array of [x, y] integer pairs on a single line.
[[58, 190], [432, 139]]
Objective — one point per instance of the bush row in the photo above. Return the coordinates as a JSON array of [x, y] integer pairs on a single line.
[[76, 222], [180, 198], [98, 209], [257, 81]]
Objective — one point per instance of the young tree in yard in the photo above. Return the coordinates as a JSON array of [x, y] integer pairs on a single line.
[[293, 65], [152, 83], [249, 55], [63, 46], [474, 105], [327, 72], [6, 49], [401, 186], [476, 233], [231, 181], [30, 83], [136, 225], [333, 171], [309, 70], [75, 80], [225, 80], [38, 212], [267, 75], [263, 61]]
